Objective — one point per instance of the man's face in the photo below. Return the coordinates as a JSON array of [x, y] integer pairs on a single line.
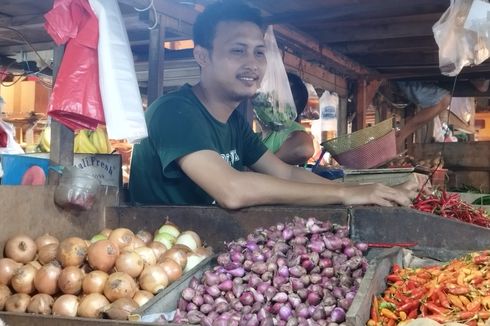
[[237, 60]]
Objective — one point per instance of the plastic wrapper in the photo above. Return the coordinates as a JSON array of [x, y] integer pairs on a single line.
[[123, 108], [274, 105], [75, 101], [77, 189], [458, 46]]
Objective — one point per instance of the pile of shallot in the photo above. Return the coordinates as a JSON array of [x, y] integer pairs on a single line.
[[109, 276], [305, 272]]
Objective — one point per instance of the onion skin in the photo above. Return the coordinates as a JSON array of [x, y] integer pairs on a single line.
[[130, 262], [8, 267], [189, 239], [121, 237], [172, 269], [147, 255], [4, 294], [41, 304], [23, 279], [170, 229], [66, 305], [46, 279], [91, 305], [20, 248], [158, 249], [47, 253], [145, 236], [119, 285], [94, 282], [45, 239], [106, 232], [72, 252], [102, 255], [142, 296], [70, 280], [17, 302]]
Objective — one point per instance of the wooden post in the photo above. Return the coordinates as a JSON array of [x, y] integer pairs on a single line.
[[342, 117], [155, 60], [365, 94], [61, 149]]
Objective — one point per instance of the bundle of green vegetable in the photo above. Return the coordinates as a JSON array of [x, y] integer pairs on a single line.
[[270, 112]]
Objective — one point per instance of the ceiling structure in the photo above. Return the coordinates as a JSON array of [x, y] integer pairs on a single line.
[[374, 39]]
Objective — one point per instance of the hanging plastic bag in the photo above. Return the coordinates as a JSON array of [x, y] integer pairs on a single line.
[[458, 47], [75, 101], [329, 106], [8, 145], [118, 83], [312, 110], [274, 104]]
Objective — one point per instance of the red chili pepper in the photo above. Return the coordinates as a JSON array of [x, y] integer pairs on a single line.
[[443, 299], [412, 314], [435, 308], [393, 278], [409, 306], [374, 309]]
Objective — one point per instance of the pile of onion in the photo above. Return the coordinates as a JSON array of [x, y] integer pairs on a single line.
[[300, 273]]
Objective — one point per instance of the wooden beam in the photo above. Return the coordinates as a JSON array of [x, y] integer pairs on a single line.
[[365, 94], [328, 56], [388, 60], [410, 44]]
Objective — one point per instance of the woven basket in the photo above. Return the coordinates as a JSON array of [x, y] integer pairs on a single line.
[[358, 138], [371, 154]]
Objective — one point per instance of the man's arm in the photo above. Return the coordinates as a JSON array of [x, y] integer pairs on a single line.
[[297, 148], [235, 189]]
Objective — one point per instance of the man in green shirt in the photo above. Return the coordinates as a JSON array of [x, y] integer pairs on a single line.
[[198, 145]]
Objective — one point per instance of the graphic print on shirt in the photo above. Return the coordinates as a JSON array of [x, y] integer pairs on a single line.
[[231, 157]]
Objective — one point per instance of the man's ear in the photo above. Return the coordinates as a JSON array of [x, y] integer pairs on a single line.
[[201, 55]]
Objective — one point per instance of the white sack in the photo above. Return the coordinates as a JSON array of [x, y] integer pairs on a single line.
[[123, 108]]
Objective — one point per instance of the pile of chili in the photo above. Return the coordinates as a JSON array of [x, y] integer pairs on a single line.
[[455, 292], [451, 206]]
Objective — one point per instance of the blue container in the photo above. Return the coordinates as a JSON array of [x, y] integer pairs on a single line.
[[14, 167]]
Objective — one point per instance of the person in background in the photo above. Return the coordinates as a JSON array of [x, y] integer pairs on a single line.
[[431, 99], [199, 145], [292, 144], [8, 145]]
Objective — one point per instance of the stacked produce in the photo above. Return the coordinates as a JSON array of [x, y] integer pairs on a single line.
[[304, 272], [108, 276], [455, 292], [451, 206], [86, 141]]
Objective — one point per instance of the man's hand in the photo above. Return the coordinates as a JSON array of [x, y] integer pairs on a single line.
[[382, 195]]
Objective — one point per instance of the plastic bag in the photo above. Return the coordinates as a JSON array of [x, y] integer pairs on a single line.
[[8, 145], [312, 110], [274, 104], [75, 101], [329, 106], [458, 47], [118, 83]]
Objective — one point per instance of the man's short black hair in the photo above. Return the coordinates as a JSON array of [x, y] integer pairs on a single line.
[[299, 91], [204, 29]]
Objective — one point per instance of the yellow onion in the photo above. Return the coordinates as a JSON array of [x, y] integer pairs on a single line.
[[92, 305], [169, 228], [119, 285], [142, 296], [120, 309], [4, 294], [94, 282], [45, 239], [72, 252], [47, 253], [172, 269], [144, 236], [179, 255], [166, 239], [46, 279], [20, 248], [17, 302], [121, 237], [70, 280], [131, 263], [158, 249], [147, 254], [153, 279], [106, 232], [102, 255], [23, 279], [66, 305], [41, 304], [8, 267]]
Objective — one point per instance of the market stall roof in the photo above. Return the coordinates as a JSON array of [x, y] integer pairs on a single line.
[[378, 38]]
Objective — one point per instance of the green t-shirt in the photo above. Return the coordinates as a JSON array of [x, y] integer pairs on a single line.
[[178, 124], [275, 139]]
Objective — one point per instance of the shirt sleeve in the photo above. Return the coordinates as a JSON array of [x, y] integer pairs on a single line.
[[176, 130]]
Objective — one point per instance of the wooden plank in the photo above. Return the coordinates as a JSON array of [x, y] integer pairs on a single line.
[[364, 96], [409, 44]]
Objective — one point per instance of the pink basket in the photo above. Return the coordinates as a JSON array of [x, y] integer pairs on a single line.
[[371, 154]]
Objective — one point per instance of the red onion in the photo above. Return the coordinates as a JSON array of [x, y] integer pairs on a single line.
[[337, 315], [333, 243], [213, 291], [259, 267], [287, 234], [188, 294], [362, 246], [313, 298], [285, 312], [280, 297], [226, 285], [237, 272], [198, 300], [297, 271], [246, 298]]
